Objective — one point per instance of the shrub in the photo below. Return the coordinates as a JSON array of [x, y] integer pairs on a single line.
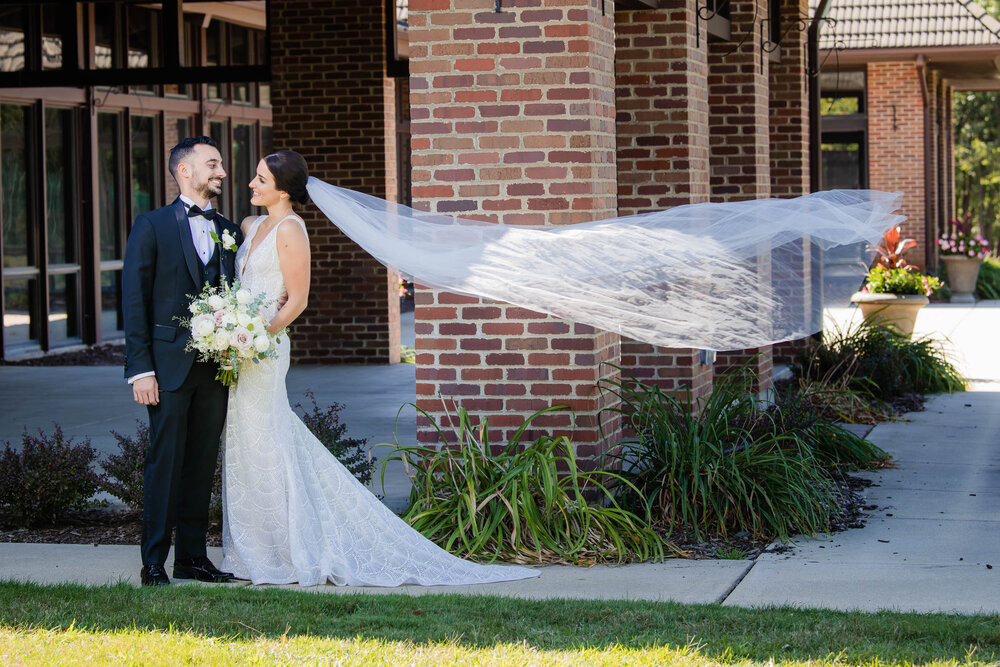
[[123, 471], [329, 430], [878, 359], [721, 466], [47, 478], [525, 503], [988, 283]]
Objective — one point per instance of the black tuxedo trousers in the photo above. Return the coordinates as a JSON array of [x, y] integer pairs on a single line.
[[162, 272]]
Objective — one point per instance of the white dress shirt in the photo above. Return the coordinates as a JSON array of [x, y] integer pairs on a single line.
[[204, 244], [201, 231]]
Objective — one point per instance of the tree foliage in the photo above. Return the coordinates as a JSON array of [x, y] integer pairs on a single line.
[[977, 155]]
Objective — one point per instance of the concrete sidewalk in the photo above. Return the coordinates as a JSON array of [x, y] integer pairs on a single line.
[[932, 544]]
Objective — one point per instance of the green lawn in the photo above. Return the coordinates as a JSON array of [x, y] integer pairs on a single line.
[[125, 624]]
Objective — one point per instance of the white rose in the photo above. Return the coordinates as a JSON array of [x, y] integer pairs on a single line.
[[228, 240], [202, 325], [241, 339], [221, 341], [216, 302], [229, 317], [193, 308], [244, 319], [244, 297], [262, 343]]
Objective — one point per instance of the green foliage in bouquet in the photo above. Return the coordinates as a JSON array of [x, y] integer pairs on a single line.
[[526, 503], [48, 477]]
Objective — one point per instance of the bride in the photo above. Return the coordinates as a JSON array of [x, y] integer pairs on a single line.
[[291, 511]]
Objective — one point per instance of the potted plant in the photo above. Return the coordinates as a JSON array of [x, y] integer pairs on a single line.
[[894, 291], [962, 254]]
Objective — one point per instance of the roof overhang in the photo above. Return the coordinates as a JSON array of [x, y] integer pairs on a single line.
[[964, 67]]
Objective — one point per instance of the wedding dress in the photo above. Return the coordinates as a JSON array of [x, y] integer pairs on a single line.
[[291, 511]]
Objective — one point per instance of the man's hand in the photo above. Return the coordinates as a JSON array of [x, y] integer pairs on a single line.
[[282, 300], [146, 391]]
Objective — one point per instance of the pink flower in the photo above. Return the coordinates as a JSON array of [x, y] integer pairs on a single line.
[[241, 339]]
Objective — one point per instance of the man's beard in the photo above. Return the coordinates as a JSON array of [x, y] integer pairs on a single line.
[[209, 190]]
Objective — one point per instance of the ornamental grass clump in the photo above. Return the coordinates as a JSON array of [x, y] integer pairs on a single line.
[[722, 465], [527, 503], [878, 359], [47, 478]]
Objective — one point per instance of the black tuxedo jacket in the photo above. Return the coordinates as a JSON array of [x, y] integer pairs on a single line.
[[160, 276]]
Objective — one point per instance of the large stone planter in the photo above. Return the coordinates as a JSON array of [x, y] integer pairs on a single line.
[[962, 275], [897, 310]]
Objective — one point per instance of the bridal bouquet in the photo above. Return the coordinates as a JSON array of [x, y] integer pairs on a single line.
[[228, 328]]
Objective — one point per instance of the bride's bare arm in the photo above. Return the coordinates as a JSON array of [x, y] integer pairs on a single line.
[[293, 252]]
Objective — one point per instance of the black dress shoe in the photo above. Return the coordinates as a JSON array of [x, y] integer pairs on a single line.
[[154, 575], [200, 569]]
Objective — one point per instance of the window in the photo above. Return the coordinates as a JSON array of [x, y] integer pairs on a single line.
[[61, 228], [12, 23], [242, 170], [21, 303], [145, 175], [111, 224]]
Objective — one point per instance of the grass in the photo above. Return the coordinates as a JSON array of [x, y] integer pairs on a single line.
[[72, 623]]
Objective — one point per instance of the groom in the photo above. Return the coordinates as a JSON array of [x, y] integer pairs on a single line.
[[170, 256]]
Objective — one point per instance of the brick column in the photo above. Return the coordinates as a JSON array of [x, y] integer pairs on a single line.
[[661, 94], [738, 73], [328, 60], [512, 121], [896, 142], [789, 155]]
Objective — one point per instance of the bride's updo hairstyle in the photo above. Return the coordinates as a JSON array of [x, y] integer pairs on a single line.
[[290, 174]]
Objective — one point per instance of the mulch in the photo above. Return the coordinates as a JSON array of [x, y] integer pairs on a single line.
[[95, 355], [94, 526]]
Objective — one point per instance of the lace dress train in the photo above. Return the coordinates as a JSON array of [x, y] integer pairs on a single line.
[[291, 511]]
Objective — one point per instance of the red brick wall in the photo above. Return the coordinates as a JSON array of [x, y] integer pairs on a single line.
[[328, 96], [512, 120], [661, 71], [738, 73], [896, 142], [789, 152]]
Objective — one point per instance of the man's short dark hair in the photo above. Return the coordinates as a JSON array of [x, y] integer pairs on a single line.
[[183, 149]]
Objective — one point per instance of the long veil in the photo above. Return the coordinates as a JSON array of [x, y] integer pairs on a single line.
[[718, 276]]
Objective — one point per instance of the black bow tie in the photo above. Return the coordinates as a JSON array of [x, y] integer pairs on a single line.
[[208, 214]]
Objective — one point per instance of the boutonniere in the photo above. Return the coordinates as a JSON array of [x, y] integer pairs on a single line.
[[228, 241]]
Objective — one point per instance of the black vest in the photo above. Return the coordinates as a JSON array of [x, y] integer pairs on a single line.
[[212, 272]]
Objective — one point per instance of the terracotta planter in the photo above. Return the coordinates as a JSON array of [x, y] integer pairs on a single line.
[[897, 310], [962, 275]]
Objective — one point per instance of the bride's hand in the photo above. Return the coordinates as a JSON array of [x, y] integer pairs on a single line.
[[282, 300]]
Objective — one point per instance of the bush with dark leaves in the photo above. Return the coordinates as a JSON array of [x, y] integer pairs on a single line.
[[123, 471], [45, 479], [329, 430]]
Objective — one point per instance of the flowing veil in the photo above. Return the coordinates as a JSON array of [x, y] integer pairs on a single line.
[[718, 276]]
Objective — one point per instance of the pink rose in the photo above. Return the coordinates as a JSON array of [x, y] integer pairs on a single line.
[[241, 339]]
